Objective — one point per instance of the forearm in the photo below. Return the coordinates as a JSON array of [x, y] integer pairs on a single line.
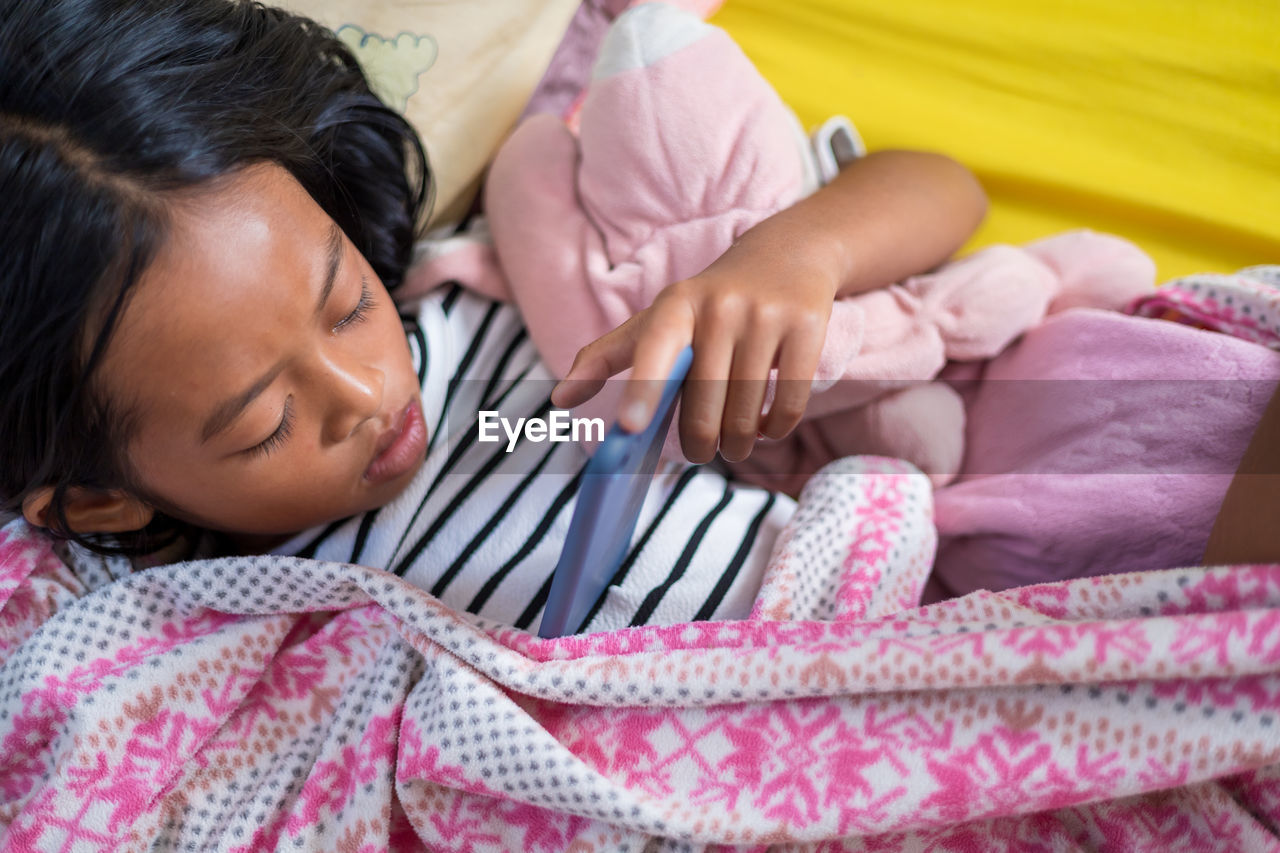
[[886, 216], [766, 302]]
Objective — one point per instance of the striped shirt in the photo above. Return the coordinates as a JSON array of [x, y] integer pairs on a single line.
[[481, 528]]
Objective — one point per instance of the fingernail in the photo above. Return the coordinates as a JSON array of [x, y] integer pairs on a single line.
[[636, 415]]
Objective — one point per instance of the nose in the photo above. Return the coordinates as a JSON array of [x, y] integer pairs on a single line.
[[353, 395]]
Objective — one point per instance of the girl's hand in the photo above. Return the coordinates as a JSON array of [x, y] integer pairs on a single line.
[[760, 306], [766, 302]]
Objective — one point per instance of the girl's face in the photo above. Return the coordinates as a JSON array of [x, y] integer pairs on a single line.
[[265, 366]]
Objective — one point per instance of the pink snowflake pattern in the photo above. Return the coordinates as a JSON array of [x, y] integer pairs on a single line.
[[332, 784]]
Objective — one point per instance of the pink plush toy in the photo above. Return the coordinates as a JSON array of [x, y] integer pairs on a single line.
[[682, 146]]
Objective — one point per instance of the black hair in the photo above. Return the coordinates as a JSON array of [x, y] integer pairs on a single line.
[[107, 109]]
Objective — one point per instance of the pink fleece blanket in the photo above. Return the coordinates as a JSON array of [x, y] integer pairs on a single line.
[[278, 703], [1103, 443]]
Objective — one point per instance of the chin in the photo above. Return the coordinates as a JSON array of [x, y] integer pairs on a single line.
[[385, 493]]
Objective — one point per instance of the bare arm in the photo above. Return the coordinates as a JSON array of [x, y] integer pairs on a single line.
[[886, 216], [766, 301]]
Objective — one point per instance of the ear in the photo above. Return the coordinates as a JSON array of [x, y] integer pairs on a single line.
[[90, 510]]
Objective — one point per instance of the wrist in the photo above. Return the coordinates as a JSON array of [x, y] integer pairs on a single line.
[[807, 246]]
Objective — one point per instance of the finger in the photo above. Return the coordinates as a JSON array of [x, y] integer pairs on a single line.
[[797, 363], [748, 381], [606, 356], [667, 329], [702, 402]]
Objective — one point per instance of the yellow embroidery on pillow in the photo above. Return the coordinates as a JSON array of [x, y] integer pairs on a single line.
[[393, 66]]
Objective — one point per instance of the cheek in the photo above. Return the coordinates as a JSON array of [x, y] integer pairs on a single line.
[[170, 475], [291, 490], [390, 339]]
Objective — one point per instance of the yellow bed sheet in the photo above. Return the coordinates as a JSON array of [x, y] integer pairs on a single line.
[[1155, 119]]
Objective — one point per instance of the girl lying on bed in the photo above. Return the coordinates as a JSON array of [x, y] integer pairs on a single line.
[[207, 211]]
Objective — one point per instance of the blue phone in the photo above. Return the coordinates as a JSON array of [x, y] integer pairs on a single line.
[[614, 484]]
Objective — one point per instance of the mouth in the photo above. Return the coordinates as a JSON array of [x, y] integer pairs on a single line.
[[401, 448]]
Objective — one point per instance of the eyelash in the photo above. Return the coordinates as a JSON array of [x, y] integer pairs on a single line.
[[282, 433], [361, 311], [280, 436]]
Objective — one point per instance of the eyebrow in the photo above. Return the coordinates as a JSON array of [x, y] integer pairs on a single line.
[[226, 412], [335, 260]]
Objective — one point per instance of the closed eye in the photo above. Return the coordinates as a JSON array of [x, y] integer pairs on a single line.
[[279, 437], [362, 309]]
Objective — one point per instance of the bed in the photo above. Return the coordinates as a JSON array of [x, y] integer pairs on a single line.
[[278, 703]]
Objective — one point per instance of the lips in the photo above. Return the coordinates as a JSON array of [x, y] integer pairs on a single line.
[[401, 448]]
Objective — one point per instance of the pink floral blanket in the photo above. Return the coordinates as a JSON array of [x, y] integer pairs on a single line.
[[277, 703]]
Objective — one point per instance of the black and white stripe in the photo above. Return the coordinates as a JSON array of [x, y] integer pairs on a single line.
[[482, 529]]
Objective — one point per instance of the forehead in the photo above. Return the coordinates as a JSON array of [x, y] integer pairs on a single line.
[[224, 293], [232, 234]]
